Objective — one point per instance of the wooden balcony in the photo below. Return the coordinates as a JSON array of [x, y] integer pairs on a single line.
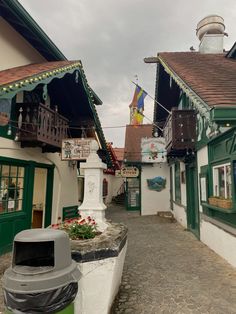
[[39, 125], [180, 132]]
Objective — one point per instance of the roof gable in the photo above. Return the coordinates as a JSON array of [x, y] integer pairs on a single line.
[[14, 13], [212, 77], [232, 52]]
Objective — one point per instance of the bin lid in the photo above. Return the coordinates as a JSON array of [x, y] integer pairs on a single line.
[[48, 248], [39, 282]]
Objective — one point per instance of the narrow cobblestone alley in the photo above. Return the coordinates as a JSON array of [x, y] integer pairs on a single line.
[[167, 270]]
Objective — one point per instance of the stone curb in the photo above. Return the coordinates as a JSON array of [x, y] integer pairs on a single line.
[[108, 244]]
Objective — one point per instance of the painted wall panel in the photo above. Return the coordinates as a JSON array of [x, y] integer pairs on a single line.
[[15, 50], [153, 201], [202, 160]]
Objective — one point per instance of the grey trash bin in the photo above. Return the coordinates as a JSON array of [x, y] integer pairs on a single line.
[[42, 278]]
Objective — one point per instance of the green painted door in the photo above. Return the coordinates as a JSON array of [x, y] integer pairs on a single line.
[[192, 199], [133, 194], [14, 201], [17, 186]]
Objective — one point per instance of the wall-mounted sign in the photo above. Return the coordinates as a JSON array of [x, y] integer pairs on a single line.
[[118, 173], [153, 149], [156, 184], [70, 212], [129, 172], [75, 148]]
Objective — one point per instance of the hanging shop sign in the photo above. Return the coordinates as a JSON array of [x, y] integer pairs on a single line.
[[75, 148], [153, 150], [129, 172]]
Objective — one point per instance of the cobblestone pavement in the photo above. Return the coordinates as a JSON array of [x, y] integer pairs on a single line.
[[167, 270]]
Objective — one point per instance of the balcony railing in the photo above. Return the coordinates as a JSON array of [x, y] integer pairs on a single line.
[[180, 132], [39, 125]]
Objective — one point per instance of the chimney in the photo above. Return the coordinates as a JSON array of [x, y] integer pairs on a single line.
[[210, 32]]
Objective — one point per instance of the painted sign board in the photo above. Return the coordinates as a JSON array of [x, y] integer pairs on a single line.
[[75, 148], [129, 172], [70, 212], [118, 173], [153, 150]]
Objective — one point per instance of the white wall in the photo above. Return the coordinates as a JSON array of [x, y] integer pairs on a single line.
[[179, 210], [65, 190], [180, 214], [153, 201], [15, 50], [114, 184], [223, 243], [99, 284], [220, 241]]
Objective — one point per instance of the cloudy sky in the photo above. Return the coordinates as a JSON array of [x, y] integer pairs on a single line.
[[112, 37]]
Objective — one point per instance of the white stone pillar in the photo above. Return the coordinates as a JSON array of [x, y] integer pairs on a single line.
[[93, 182]]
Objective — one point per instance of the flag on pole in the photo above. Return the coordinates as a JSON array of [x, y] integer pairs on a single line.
[[141, 94], [137, 106]]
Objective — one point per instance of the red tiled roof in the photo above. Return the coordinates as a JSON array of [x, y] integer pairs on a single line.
[[211, 76], [119, 152], [16, 74], [133, 136], [115, 162]]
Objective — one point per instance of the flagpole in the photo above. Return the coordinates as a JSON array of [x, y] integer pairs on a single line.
[[152, 98], [152, 122]]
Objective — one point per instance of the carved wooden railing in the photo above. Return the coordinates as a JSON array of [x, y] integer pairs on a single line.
[[39, 125]]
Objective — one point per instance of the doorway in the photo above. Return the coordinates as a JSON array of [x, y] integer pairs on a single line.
[[133, 195], [39, 198]]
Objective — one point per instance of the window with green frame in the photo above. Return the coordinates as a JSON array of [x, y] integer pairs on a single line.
[[11, 188], [177, 183], [222, 185]]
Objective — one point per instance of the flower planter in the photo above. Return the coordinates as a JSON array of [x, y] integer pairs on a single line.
[[101, 261], [218, 202], [213, 201], [227, 204]]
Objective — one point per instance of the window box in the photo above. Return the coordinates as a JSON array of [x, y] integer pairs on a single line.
[[224, 203], [220, 202], [213, 201]]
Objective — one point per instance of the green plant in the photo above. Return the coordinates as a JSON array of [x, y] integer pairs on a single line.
[[78, 228]]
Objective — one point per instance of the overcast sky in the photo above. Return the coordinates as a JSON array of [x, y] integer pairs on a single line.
[[112, 37]]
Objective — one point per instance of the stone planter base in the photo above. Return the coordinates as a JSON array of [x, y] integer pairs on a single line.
[[101, 261]]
